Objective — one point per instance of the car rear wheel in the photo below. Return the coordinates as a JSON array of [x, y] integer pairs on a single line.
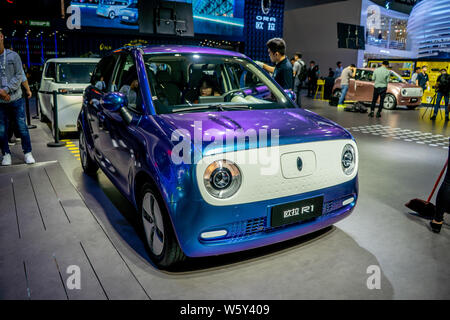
[[390, 103], [160, 241], [90, 167]]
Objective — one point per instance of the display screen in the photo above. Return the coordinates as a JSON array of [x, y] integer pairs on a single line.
[[223, 18], [118, 14]]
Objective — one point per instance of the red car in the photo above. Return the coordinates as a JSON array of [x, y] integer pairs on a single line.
[[399, 92]]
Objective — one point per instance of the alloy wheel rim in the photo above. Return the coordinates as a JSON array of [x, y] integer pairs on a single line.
[[82, 149], [388, 101], [153, 224]]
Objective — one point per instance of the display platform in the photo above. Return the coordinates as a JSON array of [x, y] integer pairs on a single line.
[[48, 234]]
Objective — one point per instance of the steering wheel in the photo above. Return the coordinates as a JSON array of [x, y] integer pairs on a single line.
[[230, 94]]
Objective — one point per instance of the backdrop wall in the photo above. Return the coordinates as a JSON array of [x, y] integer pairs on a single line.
[[302, 25]]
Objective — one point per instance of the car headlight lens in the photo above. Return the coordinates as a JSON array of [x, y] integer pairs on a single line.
[[222, 179], [404, 92], [348, 159]]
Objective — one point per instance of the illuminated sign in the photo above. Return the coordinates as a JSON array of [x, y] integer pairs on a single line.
[[262, 21]]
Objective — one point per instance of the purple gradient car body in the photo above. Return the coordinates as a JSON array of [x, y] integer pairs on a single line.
[[175, 129]]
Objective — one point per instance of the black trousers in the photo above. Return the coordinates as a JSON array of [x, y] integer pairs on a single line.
[[443, 196], [312, 85], [378, 92]]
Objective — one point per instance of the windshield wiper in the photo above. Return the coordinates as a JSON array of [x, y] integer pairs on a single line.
[[219, 107]]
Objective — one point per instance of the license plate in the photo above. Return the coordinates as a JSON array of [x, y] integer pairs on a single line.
[[413, 99], [296, 211]]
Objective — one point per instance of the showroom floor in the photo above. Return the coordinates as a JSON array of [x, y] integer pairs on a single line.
[[92, 226]]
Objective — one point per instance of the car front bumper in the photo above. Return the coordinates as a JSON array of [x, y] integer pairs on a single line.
[[248, 225]]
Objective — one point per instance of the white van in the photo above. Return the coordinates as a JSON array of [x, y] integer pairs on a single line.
[[69, 76], [111, 8]]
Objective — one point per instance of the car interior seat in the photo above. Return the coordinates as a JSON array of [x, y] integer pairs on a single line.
[[169, 89]]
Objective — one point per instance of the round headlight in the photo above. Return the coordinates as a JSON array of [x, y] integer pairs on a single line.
[[348, 159], [404, 92], [222, 179]]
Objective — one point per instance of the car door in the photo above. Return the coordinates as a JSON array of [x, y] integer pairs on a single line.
[[45, 99], [364, 86], [120, 142], [94, 95]]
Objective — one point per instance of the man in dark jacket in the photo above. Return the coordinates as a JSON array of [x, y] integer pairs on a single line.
[[282, 72], [313, 75], [442, 91]]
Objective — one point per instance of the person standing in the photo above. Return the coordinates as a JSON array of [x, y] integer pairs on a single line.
[[414, 76], [423, 80], [346, 75], [381, 77], [282, 72], [11, 76], [339, 69], [442, 202], [313, 76], [442, 91], [299, 76]]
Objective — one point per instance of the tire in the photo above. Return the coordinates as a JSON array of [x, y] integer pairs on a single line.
[[111, 15], [159, 237], [390, 102], [337, 93], [42, 117], [90, 167]]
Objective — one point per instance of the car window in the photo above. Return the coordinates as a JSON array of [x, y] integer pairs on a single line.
[[126, 82], [103, 73], [74, 72], [196, 82], [364, 75], [51, 70], [396, 78]]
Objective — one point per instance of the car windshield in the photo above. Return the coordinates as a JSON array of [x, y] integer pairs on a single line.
[[201, 82], [396, 78], [74, 72], [132, 6]]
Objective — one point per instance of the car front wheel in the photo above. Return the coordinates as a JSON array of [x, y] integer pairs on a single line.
[[160, 241], [111, 15], [90, 167], [390, 103]]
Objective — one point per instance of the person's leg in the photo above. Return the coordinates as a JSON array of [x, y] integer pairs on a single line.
[[297, 89], [4, 128], [382, 93], [22, 125], [374, 100], [439, 97], [344, 89], [447, 100], [442, 201]]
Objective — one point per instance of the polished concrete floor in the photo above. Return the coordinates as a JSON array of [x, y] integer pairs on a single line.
[[401, 155]]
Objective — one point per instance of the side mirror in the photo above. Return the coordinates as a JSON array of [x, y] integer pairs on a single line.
[[291, 94], [114, 101]]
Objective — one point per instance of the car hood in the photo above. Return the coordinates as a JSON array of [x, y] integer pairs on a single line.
[[403, 85], [293, 125]]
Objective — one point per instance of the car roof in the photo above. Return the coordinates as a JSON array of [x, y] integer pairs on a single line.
[[190, 49], [67, 60]]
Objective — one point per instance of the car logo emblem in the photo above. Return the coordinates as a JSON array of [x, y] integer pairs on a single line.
[[299, 164]]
